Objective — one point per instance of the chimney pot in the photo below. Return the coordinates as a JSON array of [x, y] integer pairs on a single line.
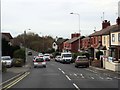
[[118, 21], [105, 24]]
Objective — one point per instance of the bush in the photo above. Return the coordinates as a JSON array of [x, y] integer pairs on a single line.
[[74, 56], [56, 53], [17, 62], [86, 54], [20, 53]]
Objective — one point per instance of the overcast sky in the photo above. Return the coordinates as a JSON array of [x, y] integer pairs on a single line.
[[52, 17]]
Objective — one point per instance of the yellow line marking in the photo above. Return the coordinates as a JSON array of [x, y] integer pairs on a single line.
[[16, 81], [9, 79]]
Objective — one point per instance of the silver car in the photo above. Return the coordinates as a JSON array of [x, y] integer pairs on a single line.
[[57, 58], [7, 60], [39, 62]]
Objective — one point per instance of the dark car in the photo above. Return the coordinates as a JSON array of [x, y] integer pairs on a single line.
[[29, 53], [81, 61]]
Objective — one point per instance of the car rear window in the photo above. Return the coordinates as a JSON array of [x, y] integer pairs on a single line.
[[82, 58], [39, 59], [46, 55]]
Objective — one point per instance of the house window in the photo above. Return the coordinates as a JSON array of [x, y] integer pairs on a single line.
[[113, 37], [54, 44], [104, 40], [119, 37]]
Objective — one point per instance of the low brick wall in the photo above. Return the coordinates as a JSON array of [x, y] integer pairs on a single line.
[[96, 63], [112, 66]]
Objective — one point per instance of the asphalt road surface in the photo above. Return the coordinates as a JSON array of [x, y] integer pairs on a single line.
[[58, 75], [66, 76]]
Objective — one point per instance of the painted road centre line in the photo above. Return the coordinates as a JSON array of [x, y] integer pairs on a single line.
[[63, 72], [68, 78], [59, 69], [76, 86]]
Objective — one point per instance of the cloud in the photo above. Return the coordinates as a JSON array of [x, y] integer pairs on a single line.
[[53, 16]]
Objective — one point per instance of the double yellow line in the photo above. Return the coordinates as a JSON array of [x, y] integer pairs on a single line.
[[15, 81]]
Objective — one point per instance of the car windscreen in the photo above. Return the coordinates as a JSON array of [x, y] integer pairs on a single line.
[[67, 55], [39, 60], [6, 58]]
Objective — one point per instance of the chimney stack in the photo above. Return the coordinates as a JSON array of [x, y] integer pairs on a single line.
[[118, 21], [105, 24], [75, 35]]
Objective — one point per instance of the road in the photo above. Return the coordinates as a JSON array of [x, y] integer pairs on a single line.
[[66, 76]]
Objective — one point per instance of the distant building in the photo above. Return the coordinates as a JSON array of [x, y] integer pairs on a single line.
[[101, 40], [58, 44], [73, 43], [115, 41], [8, 37]]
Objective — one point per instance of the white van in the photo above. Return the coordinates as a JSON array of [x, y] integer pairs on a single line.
[[66, 57]]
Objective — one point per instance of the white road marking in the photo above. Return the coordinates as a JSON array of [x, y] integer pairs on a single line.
[[92, 77], [75, 74], [63, 72], [68, 78], [91, 70], [76, 86], [59, 69], [109, 78], [82, 75], [101, 77]]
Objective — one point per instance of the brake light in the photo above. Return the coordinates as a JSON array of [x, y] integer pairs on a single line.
[[77, 60], [34, 60]]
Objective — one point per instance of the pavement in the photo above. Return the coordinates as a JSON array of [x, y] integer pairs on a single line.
[[14, 71], [102, 69]]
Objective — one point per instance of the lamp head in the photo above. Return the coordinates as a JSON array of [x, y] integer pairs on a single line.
[[71, 13]]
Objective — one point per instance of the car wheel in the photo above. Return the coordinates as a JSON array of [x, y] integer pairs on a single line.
[[44, 66], [76, 66], [34, 66]]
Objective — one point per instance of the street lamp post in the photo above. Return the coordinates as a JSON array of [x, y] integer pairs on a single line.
[[25, 45], [79, 28]]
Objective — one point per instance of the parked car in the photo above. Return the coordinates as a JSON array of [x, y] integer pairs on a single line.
[[47, 57], [29, 53], [66, 57], [40, 55], [39, 62], [34, 58], [81, 61], [7, 60], [57, 58]]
